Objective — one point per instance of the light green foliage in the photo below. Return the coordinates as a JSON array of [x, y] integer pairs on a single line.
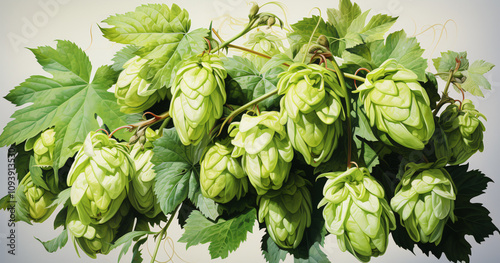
[[198, 96], [99, 178], [287, 211], [397, 105], [312, 110], [425, 199], [357, 212], [463, 129], [132, 91], [265, 149], [221, 177]]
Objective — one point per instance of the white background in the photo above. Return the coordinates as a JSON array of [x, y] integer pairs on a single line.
[[473, 28]]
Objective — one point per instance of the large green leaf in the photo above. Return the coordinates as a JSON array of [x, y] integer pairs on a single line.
[[475, 81], [254, 84], [162, 33], [406, 50], [177, 174], [68, 101], [224, 236]]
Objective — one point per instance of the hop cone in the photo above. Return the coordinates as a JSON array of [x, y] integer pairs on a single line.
[[287, 211], [222, 178], [39, 200], [356, 211], [141, 193], [94, 239], [425, 200], [464, 131], [43, 148], [99, 178], [398, 105], [198, 95], [265, 43], [265, 149], [312, 110], [132, 91]]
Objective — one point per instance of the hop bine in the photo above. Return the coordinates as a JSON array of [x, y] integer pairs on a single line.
[[356, 211], [132, 91], [397, 105], [287, 211], [425, 199], [312, 110], [99, 178], [221, 177], [464, 131], [198, 95], [141, 193], [265, 149]]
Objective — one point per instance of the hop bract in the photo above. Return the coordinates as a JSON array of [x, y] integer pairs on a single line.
[[464, 131], [397, 105], [287, 211], [39, 199], [425, 200], [356, 211], [222, 178], [265, 43], [141, 193], [312, 110], [132, 91], [265, 149], [94, 239], [198, 95], [43, 148], [99, 178]]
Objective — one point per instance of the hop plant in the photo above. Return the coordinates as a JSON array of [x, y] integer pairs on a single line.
[[397, 105], [38, 200], [312, 110], [132, 91], [464, 131], [356, 211], [198, 95], [43, 148], [265, 149], [141, 193], [265, 43], [99, 178], [94, 239], [425, 199], [221, 177], [287, 211]]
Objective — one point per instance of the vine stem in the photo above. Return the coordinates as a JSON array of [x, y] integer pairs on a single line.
[[340, 74], [162, 233], [445, 99], [249, 27]]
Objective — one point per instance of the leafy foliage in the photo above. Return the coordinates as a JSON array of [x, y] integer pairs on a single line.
[[223, 235], [56, 243]]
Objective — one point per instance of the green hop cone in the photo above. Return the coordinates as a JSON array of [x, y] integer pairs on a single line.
[[43, 148], [356, 211], [141, 193], [397, 105], [221, 177], [99, 178], [312, 110], [94, 239], [464, 131], [425, 199], [198, 97], [38, 200], [132, 91], [265, 43], [287, 211], [265, 149]]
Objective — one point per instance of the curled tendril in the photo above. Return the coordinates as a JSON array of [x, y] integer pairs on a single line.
[[91, 40], [105, 131], [356, 73], [435, 28], [312, 34]]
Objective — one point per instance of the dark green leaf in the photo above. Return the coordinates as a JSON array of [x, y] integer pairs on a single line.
[[447, 61], [5, 202], [137, 255], [431, 87], [60, 219], [469, 183], [272, 252], [224, 236], [21, 161], [126, 241], [176, 170], [37, 174], [22, 205], [56, 243]]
